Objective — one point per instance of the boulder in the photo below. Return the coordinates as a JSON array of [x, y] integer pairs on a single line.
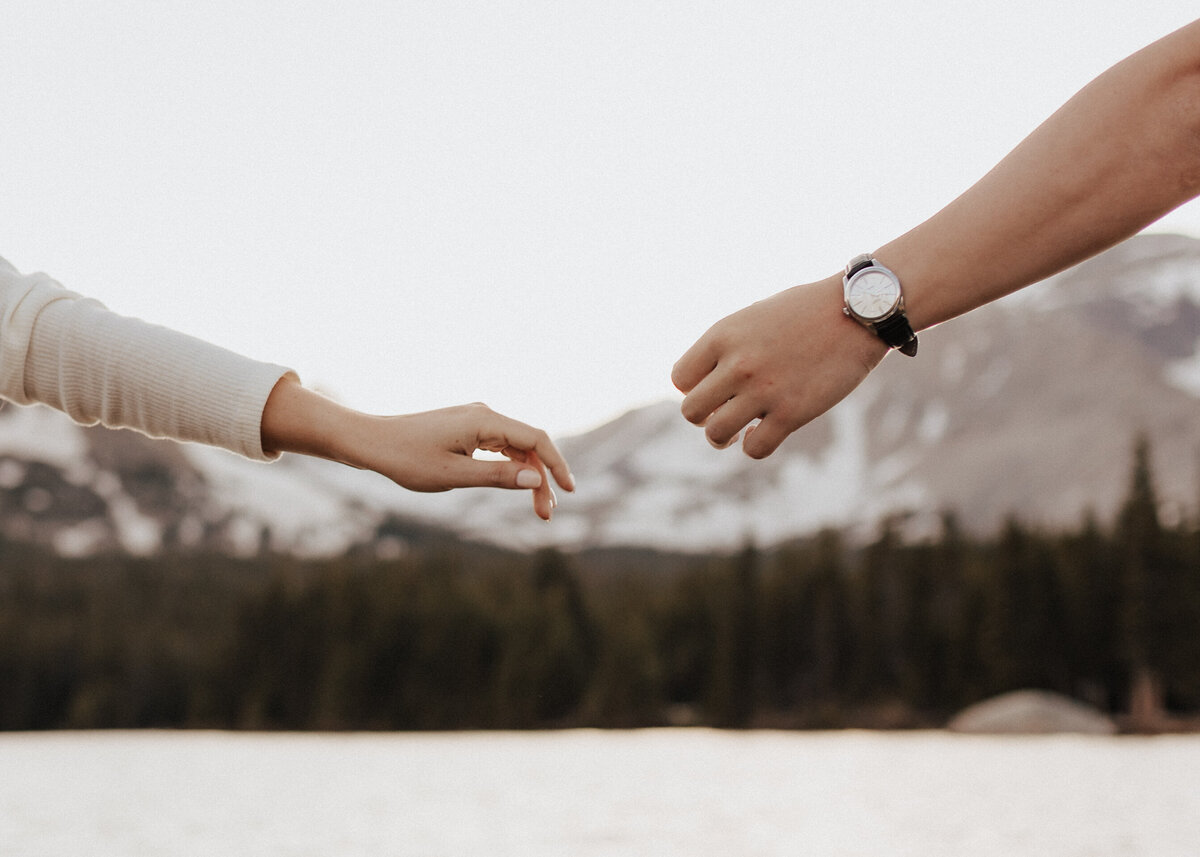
[[1031, 712]]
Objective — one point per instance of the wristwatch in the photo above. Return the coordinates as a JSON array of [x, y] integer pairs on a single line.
[[874, 299]]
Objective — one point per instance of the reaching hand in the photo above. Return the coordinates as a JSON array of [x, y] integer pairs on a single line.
[[434, 451], [430, 451], [784, 360]]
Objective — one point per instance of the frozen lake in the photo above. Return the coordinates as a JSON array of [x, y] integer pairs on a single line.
[[581, 793]]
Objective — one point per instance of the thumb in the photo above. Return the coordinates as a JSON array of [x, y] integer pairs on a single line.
[[472, 473]]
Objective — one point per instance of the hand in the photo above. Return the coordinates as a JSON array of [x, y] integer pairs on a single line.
[[430, 451], [784, 360], [433, 451]]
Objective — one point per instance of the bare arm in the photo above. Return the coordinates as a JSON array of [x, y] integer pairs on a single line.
[[429, 451], [1120, 154]]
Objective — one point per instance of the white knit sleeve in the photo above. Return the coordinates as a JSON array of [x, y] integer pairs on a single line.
[[69, 352]]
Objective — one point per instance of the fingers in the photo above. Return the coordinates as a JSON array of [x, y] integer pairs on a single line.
[[462, 471], [549, 456], [506, 435], [532, 454], [544, 500], [706, 397], [534, 476], [711, 379], [725, 423], [526, 474], [763, 438], [695, 365], [725, 401]]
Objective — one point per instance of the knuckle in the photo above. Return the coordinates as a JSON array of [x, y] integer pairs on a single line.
[[744, 368]]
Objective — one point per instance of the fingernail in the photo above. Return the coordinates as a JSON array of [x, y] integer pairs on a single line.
[[570, 481], [529, 479]]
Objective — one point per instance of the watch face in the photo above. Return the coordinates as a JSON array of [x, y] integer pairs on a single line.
[[872, 294]]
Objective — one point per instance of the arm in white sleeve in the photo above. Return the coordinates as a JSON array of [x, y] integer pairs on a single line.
[[69, 352]]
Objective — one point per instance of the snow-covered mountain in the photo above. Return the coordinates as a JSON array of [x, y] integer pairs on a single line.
[[1029, 407]]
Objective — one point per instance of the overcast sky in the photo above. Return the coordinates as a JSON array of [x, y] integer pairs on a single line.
[[539, 205]]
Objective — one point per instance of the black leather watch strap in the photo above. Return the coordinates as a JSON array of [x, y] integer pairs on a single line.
[[858, 263], [898, 333]]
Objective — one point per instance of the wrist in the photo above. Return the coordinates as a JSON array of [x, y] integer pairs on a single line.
[[864, 345], [302, 421], [874, 298]]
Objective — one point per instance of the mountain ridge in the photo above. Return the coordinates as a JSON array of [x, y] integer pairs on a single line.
[[1029, 407]]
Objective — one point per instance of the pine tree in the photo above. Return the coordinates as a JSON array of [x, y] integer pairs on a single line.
[[732, 697], [1153, 584], [549, 648]]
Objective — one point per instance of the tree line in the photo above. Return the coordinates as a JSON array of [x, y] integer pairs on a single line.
[[819, 633]]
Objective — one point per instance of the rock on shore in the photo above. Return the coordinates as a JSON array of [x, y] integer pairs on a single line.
[[1031, 712]]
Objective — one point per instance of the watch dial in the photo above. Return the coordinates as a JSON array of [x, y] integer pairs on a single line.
[[873, 294]]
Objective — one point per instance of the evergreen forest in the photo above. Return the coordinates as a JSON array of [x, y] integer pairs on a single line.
[[819, 633]]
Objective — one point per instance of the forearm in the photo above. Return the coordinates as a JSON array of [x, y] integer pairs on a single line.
[[1119, 155], [299, 420]]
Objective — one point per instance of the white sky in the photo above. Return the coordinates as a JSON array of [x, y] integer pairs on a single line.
[[539, 205]]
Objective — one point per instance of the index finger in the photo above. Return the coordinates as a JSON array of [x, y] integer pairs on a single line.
[[524, 437], [695, 365], [553, 460]]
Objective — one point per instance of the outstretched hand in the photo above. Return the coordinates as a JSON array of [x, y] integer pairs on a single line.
[[429, 451], [783, 361], [434, 451], [1116, 157]]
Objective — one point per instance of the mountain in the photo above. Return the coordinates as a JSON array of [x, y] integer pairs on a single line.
[[1028, 407]]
